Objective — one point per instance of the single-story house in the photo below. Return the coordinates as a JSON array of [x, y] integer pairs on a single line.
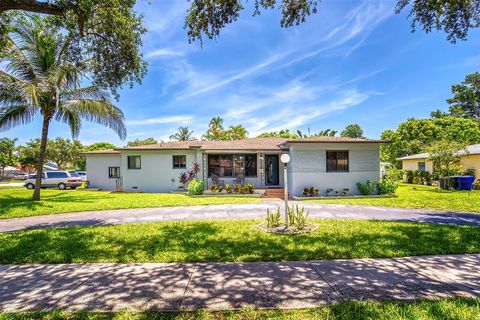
[[323, 162], [469, 159]]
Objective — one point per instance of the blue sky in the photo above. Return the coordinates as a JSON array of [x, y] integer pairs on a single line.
[[353, 62]]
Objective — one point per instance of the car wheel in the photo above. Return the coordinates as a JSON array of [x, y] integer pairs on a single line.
[[62, 186], [30, 186], [73, 188]]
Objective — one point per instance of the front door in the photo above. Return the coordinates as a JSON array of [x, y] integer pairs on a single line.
[[271, 170]]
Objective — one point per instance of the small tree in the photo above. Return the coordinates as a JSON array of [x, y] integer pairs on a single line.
[[445, 156], [352, 131], [7, 153]]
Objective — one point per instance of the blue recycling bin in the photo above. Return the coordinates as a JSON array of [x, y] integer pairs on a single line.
[[464, 182]]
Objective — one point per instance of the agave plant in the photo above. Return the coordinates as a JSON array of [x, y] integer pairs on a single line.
[[37, 78]]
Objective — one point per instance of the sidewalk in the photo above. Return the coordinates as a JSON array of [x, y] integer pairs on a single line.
[[219, 286], [236, 211]]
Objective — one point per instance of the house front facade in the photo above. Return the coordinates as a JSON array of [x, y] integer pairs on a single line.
[[469, 159], [322, 162]]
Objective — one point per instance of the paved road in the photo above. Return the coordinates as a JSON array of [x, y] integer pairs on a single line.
[[218, 286], [240, 211]]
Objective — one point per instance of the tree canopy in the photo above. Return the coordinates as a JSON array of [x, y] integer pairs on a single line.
[[142, 142], [352, 131], [216, 131], [105, 33], [183, 134], [206, 18], [416, 135]]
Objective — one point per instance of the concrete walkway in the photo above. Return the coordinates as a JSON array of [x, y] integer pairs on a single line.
[[217, 286], [236, 211]]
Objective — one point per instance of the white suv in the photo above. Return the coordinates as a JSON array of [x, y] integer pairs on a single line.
[[55, 179]]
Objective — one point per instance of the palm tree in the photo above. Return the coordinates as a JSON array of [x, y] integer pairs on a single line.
[[215, 130], [183, 134], [36, 77]]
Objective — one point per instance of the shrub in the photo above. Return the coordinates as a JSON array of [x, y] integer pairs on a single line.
[[409, 175], [394, 174], [195, 187], [468, 172], [228, 189], [310, 191], [476, 186], [213, 188], [219, 188], [273, 218], [237, 188], [367, 188], [386, 186], [297, 217], [328, 191], [247, 188], [183, 178], [345, 191]]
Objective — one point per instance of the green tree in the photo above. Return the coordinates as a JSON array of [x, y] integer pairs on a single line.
[[215, 130], [38, 77], [28, 155], [183, 134], [106, 33], [64, 152], [415, 135], [284, 133], [142, 142], [445, 156], [456, 18], [352, 131], [7, 153], [325, 133], [237, 132], [466, 98], [99, 146]]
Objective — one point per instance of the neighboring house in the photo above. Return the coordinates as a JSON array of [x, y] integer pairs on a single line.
[[323, 162], [469, 159]]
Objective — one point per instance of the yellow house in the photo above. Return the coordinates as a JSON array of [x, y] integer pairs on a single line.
[[468, 160]]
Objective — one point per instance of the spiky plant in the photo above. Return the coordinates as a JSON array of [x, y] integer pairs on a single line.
[[37, 78]]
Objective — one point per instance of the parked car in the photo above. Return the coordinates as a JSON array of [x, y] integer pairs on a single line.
[[55, 179], [81, 174]]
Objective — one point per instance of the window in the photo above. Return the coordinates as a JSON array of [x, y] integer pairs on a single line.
[[228, 165], [179, 162], [337, 161], [134, 162], [113, 172], [57, 174], [421, 166]]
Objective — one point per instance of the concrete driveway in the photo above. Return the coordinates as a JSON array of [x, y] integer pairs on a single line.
[[220, 286], [238, 211]]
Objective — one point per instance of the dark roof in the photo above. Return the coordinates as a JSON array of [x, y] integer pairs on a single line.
[[267, 144]]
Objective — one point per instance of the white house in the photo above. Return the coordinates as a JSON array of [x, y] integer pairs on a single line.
[[469, 159], [323, 162]]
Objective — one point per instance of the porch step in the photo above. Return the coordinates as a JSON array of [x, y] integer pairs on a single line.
[[274, 193]]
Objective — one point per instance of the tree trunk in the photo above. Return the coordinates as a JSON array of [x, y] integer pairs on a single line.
[[41, 157]]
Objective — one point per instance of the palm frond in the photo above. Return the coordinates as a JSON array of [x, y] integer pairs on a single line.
[[86, 93], [71, 118], [13, 116], [100, 112]]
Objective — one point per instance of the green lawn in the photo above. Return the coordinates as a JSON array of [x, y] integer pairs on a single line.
[[417, 196], [445, 309], [16, 202], [238, 240]]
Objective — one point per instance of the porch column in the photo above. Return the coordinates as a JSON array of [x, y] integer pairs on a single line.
[[205, 170], [262, 168]]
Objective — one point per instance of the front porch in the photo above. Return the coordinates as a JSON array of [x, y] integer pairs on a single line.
[[263, 170]]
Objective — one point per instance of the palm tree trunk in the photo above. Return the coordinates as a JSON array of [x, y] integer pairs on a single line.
[[41, 157]]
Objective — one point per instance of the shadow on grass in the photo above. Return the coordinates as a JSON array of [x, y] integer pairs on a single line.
[[233, 241], [458, 308]]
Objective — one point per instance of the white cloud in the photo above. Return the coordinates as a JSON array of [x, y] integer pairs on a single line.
[[164, 52]]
